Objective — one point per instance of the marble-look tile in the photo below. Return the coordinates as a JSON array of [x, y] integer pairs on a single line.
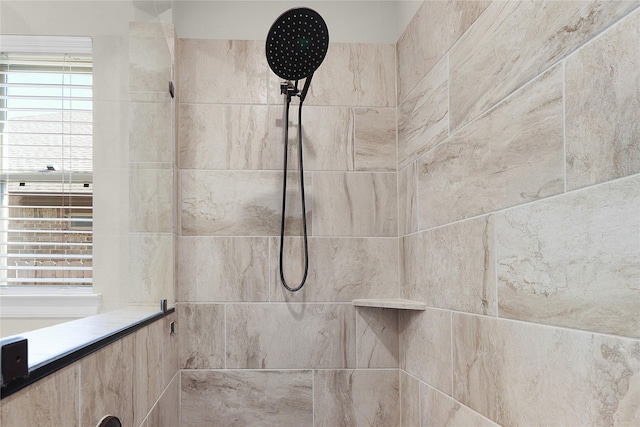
[[223, 71], [574, 260], [423, 117], [241, 203], [512, 42], [340, 269], [51, 401], [376, 338], [222, 268], [151, 200], [327, 138], [438, 409], [409, 400], [231, 137], [353, 398], [151, 267], [452, 267], [408, 200], [509, 370], [425, 346], [201, 332], [603, 107], [166, 413], [147, 382], [150, 132], [290, 336], [375, 139], [150, 60], [352, 74], [513, 154], [202, 136], [355, 204], [255, 136], [247, 398], [106, 383], [432, 31]]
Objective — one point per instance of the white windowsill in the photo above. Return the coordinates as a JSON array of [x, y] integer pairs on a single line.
[[49, 302]]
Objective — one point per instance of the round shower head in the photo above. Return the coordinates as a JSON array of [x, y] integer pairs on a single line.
[[297, 43]]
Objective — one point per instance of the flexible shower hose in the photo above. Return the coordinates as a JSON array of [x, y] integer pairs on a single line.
[[284, 199]]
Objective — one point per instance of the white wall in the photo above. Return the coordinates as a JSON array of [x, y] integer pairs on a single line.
[[348, 21]]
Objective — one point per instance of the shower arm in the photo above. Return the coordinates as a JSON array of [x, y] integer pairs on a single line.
[[288, 88]]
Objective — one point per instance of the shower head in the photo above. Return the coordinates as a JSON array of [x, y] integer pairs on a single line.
[[297, 43]]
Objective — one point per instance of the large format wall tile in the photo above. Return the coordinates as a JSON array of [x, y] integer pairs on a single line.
[[150, 132], [222, 71], [150, 60], [375, 139], [233, 137], [407, 200], [353, 398], [358, 204], [574, 260], [603, 107], [247, 398], [240, 203], [509, 370], [147, 359], [409, 400], [51, 401], [151, 200], [166, 413], [202, 136], [106, 383], [425, 346], [452, 267], [222, 268], [512, 42], [151, 267], [355, 75], [254, 137], [432, 31], [376, 337], [340, 269], [327, 138], [201, 331], [438, 409], [423, 117], [512, 155], [290, 336]]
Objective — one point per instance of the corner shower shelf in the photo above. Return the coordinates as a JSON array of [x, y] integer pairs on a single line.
[[397, 303]]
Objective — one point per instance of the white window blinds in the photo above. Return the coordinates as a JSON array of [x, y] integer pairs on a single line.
[[46, 89]]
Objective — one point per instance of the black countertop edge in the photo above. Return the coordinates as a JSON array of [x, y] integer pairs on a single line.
[[45, 369]]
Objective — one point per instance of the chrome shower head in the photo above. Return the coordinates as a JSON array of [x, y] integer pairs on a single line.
[[297, 43]]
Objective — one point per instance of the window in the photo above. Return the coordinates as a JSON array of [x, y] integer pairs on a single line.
[[46, 184]]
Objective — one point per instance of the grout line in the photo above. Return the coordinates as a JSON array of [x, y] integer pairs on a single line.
[[225, 336], [313, 397], [564, 123], [448, 95], [451, 354], [495, 264], [79, 388]]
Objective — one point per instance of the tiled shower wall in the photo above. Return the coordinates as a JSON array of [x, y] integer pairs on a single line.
[[251, 353], [519, 195]]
